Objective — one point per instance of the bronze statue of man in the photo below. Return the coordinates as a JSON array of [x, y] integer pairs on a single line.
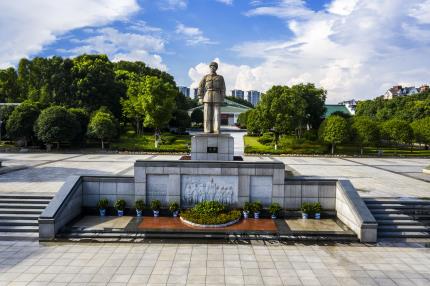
[[212, 93]]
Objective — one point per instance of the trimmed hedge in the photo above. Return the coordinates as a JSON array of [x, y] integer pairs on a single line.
[[210, 212]]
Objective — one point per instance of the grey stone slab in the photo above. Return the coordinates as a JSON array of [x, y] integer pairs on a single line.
[[125, 189], [154, 170], [278, 191], [172, 170], [261, 189], [212, 141], [140, 189], [247, 171], [174, 187], [328, 203], [140, 174], [279, 176], [230, 171], [244, 186], [292, 203], [209, 171], [156, 187], [107, 188], [90, 200], [292, 189], [189, 171], [327, 190], [310, 190], [91, 188]]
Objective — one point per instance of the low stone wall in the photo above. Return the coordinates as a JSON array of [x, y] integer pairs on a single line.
[[352, 211], [188, 182]]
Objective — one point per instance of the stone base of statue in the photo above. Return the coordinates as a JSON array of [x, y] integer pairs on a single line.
[[212, 147]]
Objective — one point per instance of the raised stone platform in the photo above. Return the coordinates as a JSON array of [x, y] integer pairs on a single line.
[[212, 147]]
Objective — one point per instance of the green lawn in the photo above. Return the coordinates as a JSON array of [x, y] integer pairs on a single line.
[[129, 141], [288, 145]]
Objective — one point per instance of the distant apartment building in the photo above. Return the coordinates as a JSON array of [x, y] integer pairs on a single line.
[[196, 93], [253, 97], [399, 90], [350, 105], [238, 93], [184, 90]]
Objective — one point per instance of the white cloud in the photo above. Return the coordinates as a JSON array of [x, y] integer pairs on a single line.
[[227, 2], [192, 35], [123, 46], [172, 4], [27, 27], [354, 49]]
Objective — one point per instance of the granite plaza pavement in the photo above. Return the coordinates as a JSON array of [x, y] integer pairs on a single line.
[[182, 263]]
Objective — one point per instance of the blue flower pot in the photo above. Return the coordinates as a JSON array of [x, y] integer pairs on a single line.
[[245, 214], [257, 215], [304, 216], [317, 216], [120, 213], [102, 212], [273, 216], [139, 213], [156, 213], [175, 213]]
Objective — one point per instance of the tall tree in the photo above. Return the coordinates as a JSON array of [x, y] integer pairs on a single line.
[[158, 101], [397, 131], [102, 126], [421, 129], [315, 102], [9, 88], [366, 131], [334, 130], [20, 122], [57, 125]]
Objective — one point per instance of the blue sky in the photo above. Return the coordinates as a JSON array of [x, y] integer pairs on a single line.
[[352, 48]]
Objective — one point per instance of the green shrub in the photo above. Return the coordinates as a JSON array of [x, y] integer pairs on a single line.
[[155, 205], [168, 140], [307, 208], [140, 205], [257, 207], [173, 207], [267, 138], [317, 208], [208, 219], [209, 208], [120, 204], [275, 208], [247, 206], [103, 203], [311, 208]]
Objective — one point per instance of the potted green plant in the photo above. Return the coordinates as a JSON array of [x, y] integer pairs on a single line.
[[256, 208], [174, 208], [275, 209], [155, 206], [247, 207], [120, 206], [317, 208], [140, 206], [307, 210], [103, 204]]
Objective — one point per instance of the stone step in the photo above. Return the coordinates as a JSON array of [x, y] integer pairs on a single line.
[[22, 206], [10, 222], [18, 236], [403, 228], [25, 196], [20, 211], [399, 201], [18, 228], [400, 216], [400, 211], [24, 201], [401, 222], [19, 216], [398, 206], [396, 234]]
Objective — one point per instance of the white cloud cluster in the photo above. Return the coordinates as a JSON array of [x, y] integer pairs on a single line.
[[193, 35], [172, 4], [124, 46], [354, 49], [27, 27], [226, 2]]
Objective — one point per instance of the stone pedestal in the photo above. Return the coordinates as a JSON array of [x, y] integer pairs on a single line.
[[213, 147]]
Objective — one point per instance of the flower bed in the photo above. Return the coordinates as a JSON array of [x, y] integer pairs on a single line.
[[210, 213]]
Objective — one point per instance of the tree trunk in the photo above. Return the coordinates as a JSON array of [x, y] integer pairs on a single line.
[[58, 145], [332, 148], [276, 141], [361, 150], [103, 145]]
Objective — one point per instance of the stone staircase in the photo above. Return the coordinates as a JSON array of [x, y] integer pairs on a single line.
[[19, 215], [400, 218]]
